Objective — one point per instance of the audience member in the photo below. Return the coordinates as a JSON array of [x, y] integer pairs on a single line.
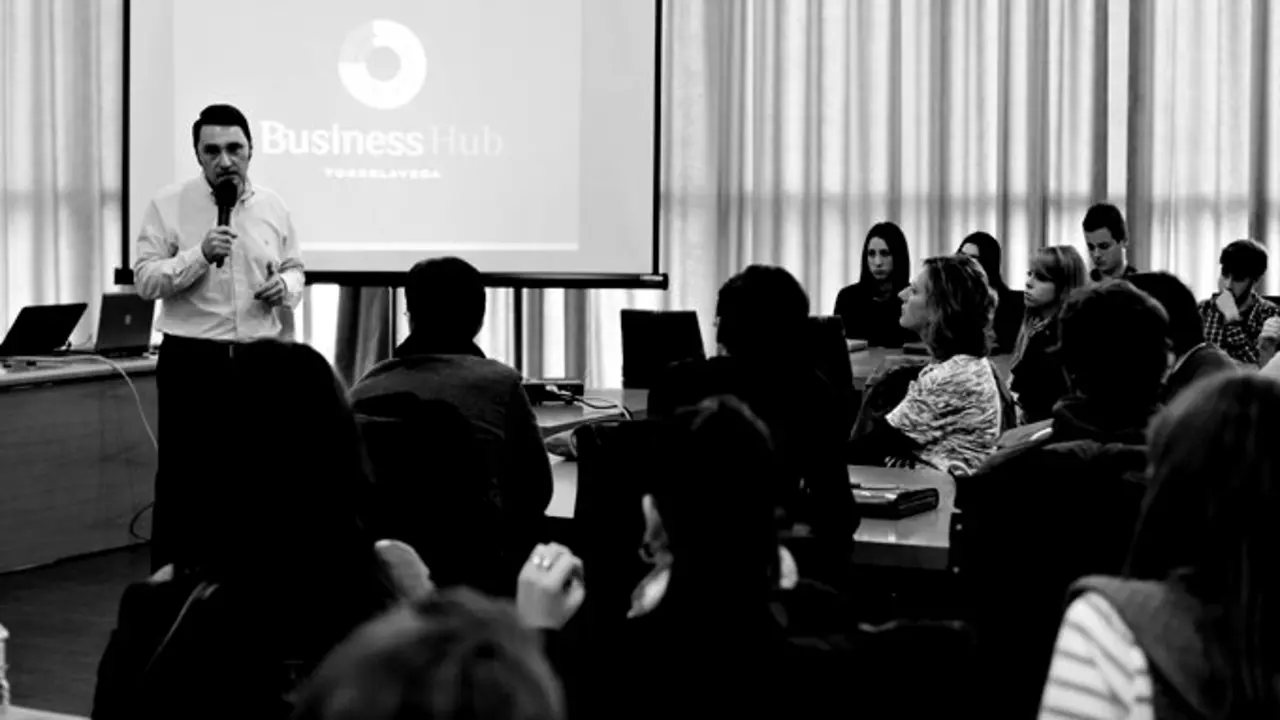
[[1009, 306], [706, 634], [1108, 242], [1070, 499], [870, 308], [1186, 633], [953, 411], [280, 570], [1235, 317], [440, 362], [454, 655], [761, 314], [1038, 380], [1193, 358]]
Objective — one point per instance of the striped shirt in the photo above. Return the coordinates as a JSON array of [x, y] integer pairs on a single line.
[[1098, 672], [952, 410]]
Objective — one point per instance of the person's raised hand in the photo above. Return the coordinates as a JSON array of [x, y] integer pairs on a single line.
[[1227, 304], [550, 589], [216, 245], [1269, 339]]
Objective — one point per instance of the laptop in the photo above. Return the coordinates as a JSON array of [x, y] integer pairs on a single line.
[[124, 325], [41, 329], [654, 340]]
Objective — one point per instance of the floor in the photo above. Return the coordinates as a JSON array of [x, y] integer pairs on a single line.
[[59, 617]]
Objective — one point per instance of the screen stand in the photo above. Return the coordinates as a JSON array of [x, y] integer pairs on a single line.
[[517, 329]]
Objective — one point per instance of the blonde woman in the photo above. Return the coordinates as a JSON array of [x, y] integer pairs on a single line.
[[1038, 381]]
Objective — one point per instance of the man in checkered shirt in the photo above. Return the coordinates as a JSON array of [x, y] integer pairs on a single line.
[[1237, 319]]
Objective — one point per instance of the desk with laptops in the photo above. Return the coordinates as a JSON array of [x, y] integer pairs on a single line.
[[79, 464], [76, 461]]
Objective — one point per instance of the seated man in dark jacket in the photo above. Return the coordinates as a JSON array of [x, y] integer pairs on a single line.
[[440, 361], [761, 315], [1194, 357], [1064, 504]]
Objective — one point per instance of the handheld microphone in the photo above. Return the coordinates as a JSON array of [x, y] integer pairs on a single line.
[[225, 194]]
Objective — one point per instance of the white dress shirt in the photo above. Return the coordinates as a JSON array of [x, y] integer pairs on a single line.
[[204, 301]]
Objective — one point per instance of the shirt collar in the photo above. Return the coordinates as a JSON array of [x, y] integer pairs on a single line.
[[1179, 363], [245, 195]]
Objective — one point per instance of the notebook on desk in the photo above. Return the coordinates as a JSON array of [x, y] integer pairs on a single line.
[[41, 330], [894, 502]]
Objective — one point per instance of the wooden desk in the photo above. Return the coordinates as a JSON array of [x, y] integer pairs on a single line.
[[556, 418], [76, 463], [19, 713], [921, 541]]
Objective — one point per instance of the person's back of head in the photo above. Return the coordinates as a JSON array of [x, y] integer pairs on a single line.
[[1243, 261], [986, 248], [446, 299], [717, 507], [1209, 521], [454, 655], [761, 314], [290, 505], [1113, 343], [1186, 328]]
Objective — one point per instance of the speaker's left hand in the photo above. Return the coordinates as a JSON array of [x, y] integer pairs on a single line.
[[272, 292]]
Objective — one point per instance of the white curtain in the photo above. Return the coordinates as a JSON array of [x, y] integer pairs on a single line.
[[788, 128], [791, 127], [61, 124]]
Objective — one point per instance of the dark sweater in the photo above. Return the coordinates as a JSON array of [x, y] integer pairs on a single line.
[[1169, 624], [790, 658], [1038, 516], [869, 316], [1202, 361], [491, 397], [1038, 380], [237, 653]]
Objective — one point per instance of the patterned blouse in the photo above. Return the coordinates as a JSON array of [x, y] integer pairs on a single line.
[[952, 410]]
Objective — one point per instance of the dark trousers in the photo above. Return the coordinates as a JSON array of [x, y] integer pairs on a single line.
[[191, 377]]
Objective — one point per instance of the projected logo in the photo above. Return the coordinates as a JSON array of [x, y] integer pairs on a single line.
[[382, 64]]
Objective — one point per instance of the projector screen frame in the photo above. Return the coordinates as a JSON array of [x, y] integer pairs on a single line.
[[654, 280]]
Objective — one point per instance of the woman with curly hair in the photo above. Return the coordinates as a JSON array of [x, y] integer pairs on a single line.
[[952, 413]]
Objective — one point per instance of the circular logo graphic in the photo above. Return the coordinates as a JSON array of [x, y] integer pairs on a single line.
[[382, 64]]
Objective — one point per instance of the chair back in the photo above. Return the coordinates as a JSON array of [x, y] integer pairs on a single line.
[[826, 347], [432, 491], [653, 340]]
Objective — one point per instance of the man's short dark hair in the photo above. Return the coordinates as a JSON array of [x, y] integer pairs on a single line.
[[1186, 328], [1114, 343], [1243, 260], [1105, 216], [445, 297], [761, 312], [455, 654], [222, 116]]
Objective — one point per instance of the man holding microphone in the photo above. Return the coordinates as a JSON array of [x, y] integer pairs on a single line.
[[222, 257]]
